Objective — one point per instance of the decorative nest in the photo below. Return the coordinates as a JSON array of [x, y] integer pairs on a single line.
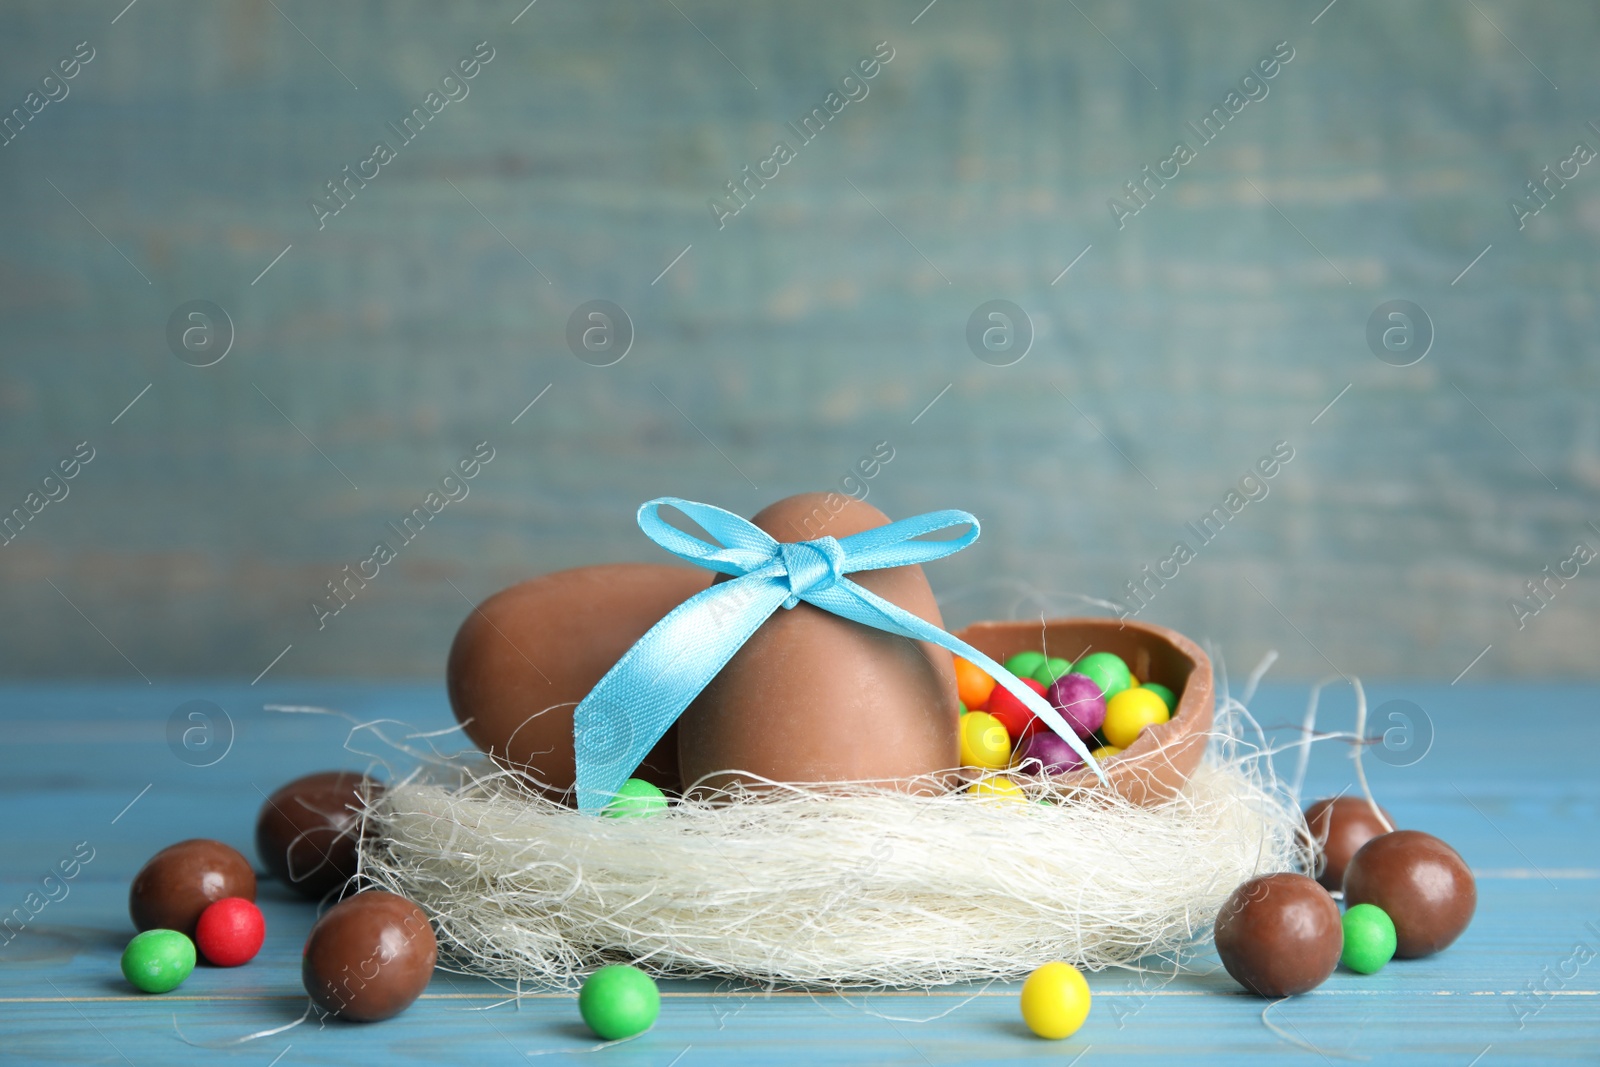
[[837, 886]]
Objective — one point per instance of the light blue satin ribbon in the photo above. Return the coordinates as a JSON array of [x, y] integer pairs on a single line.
[[628, 711]]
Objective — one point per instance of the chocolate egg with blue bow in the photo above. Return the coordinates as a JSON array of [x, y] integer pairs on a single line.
[[813, 697], [525, 657]]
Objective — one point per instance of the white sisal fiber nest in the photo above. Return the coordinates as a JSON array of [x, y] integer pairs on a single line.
[[852, 888]]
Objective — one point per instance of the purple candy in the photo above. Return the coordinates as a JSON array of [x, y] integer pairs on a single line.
[[1080, 702], [1045, 751]]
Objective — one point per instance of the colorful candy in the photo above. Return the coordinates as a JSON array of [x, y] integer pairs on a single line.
[[635, 799], [1420, 882], [1339, 826], [1051, 669], [1369, 939], [1084, 694], [1023, 664], [158, 961], [1080, 702], [984, 741], [1168, 697], [1129, 712], [230, 932], [998, 787], [1043, 751], [1055, 1001], [179, 882], [619, 1001], [1014, 715], [1279, 935], [1107, 669], [973, 685], [369, 957]]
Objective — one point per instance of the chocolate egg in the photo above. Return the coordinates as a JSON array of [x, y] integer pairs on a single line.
[[308, 830], [1339, 826], [1279, 935], [179, 882], [525, 657], [369, 957], [813, 697], [1420, 882]]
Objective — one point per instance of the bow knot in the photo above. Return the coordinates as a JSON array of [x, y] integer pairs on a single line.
[[812, 566], [629, 710]]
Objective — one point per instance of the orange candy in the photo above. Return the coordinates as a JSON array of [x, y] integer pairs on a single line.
[[973, 684]]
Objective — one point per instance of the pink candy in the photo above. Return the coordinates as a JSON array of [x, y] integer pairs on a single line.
[[1044, 751], [1080, 702]]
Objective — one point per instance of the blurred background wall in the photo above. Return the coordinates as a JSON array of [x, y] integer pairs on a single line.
[[1211, 318]]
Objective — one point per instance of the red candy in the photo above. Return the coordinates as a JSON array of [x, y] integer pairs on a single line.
[[1020, 723], [230, 932]]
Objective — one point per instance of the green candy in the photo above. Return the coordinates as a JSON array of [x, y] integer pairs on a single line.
[[1107, 671], [635, 799], [1369, 939], [619, 1001], [1168, 697], [157, 961], [1051, 669], [963, 707], [1023, 664]]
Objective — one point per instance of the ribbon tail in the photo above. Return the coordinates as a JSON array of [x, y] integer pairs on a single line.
[[627, 712], [861, 605]]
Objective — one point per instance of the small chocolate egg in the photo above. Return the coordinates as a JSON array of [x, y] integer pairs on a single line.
[[1279, 935], [525, 657], [369, 957], [1339, 826], [308, 830], [1420, 882], [814, 697], [179, 882]]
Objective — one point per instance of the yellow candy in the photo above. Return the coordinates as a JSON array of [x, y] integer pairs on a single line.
[[1055, 1001], [984, 742], [1105, 752], [1129, 712], [1133, 680], [998, 788]]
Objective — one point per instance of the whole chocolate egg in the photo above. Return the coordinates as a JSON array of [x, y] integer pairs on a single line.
[[369, 957], [813, 697], [179, 882], [1420, 882], [307, 832], [1279, 935], [525, 657], [1339, 826]]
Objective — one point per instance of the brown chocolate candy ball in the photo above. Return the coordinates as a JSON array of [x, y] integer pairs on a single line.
[[308, 830], [1420, 882], [369, 957], [1279, 935], [180, 881], [1339, 826]]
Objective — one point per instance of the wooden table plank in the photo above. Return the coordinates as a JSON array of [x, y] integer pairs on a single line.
[[73, 757]]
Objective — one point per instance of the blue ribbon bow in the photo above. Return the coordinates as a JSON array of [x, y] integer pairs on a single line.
[[643, 694]]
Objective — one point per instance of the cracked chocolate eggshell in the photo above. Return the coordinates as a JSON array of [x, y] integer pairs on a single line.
[[813, 697], [525, 657]]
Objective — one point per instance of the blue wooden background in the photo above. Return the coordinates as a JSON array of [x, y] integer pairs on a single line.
[[775, 353]]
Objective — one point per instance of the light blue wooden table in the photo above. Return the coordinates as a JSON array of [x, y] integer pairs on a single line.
[[1508, 781]]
